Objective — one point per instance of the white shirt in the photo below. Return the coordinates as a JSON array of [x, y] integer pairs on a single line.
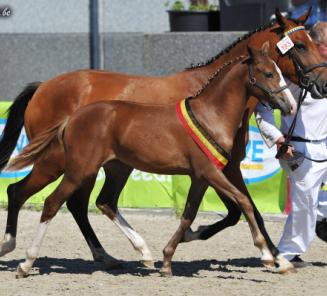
[[311, 120]]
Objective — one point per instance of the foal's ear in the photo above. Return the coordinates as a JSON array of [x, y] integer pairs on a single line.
[[303, 18], [265, 48]]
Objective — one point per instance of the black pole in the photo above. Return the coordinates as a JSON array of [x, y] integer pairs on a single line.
[[94, 35]]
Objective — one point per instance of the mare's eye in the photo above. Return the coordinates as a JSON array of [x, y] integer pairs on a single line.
[[269, 75], [300, 46]]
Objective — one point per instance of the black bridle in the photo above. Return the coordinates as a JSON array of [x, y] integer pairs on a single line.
[[305, 81]]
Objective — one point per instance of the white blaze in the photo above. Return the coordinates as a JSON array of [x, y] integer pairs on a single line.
[[287, 91]]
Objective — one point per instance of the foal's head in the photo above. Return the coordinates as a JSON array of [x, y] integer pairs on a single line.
[[266, 81]]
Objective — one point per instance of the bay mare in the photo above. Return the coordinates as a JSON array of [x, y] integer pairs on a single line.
[[193, 137], [42, 105]]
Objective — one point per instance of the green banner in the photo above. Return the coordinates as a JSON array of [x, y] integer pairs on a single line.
[[260, 170]]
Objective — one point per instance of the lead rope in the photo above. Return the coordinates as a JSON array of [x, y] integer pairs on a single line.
[[284, 147]]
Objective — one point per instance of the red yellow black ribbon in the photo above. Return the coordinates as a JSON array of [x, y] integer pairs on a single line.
[[211, 149]]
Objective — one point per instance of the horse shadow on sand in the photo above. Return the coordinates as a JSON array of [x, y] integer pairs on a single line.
[[231, 268]]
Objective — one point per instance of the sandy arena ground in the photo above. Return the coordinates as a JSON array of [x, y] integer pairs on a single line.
[[228, 264]]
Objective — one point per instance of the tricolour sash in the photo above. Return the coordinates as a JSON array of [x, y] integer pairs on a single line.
[[207, 144]]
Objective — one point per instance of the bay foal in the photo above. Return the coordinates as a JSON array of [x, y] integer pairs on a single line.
[[192, 138]]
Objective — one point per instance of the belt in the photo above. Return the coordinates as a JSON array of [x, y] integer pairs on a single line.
[[299, 139]]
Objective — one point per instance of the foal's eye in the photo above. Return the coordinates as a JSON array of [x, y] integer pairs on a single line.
[[300, 46], [269, 75]]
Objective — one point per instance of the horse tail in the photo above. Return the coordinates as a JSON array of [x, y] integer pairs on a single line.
[[38, 147], [15, 122]]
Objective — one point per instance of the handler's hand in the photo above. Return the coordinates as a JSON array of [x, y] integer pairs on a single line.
[[289, 153]]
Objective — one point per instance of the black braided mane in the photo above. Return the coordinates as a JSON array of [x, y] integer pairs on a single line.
[[227, 49]]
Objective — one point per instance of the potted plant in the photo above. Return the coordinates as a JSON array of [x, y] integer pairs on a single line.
[[198, 16]]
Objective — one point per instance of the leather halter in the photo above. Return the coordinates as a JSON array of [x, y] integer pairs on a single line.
[[253, 81]]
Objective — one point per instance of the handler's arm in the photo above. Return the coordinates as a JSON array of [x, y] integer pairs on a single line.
[[270, 133]]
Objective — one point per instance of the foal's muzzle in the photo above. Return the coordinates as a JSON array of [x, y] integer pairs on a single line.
[[283, 104]]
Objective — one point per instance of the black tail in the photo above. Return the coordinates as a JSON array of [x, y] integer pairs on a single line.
[[15, 123]]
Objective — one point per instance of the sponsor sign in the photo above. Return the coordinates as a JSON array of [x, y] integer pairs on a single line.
[[260, 163]]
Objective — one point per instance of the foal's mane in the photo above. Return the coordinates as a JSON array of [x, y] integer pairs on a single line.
[[216, 73], [228, 48]]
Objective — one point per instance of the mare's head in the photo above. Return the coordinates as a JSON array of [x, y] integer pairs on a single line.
[[302, 63], [266, 81]]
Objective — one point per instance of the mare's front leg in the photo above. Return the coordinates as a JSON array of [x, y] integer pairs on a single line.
[[270, 254], [195, 195], [204, 232], [117, 174]]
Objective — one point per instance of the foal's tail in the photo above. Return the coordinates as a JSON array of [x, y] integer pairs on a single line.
[[38, 147], [15, 122]]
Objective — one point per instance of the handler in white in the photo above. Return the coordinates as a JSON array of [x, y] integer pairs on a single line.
[[306, 177]]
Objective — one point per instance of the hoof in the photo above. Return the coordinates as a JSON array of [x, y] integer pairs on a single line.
[[287, 271], [108, 261], [7, 245], [269, 264], [148, 263], [284, 266], [20, 273], [166, 272]]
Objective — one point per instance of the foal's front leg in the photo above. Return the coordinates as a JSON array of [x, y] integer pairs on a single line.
[[270, 254], [195, 195]]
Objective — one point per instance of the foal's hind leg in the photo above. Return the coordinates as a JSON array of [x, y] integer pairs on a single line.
[[195, 195], [42, 174], [117, 174], [78, 206], [51, 206]]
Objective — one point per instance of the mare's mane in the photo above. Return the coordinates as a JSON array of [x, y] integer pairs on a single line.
[[228, 48]]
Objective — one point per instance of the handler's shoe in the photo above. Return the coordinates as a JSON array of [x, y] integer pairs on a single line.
[[321, 229], [299, 263]]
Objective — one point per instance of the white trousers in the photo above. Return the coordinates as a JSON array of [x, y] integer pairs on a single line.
[[306, 204]]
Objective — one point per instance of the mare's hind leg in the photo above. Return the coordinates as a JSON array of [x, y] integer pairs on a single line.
[[51, 206], [117, 174], [195, 195], [41, 175], [78, 206]]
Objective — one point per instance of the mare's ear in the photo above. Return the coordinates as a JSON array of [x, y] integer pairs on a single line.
[[265, 48], [303, 18], [280, 18]]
